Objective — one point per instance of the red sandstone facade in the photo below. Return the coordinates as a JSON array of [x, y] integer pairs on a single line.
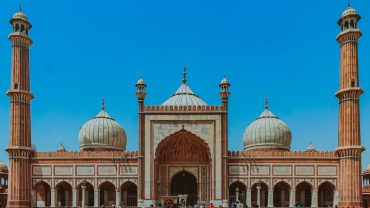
[[183, 149]]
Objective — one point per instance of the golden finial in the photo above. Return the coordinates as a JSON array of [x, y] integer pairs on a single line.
[[103, 104], [20, 7], [184, 75], [349, 3], [267, 103]]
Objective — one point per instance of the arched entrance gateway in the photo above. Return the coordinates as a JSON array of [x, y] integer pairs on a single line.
[[182, 167]]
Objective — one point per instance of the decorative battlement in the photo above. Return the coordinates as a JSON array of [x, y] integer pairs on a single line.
[[183, 108], [88, 154], [276, 154]]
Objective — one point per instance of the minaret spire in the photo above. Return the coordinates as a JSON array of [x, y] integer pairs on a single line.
[[102, 104], [349, 3], [267, 103], [184, 75], [20, 7]]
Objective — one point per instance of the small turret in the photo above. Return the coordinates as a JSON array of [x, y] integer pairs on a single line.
[[224, 87], [140, 90]]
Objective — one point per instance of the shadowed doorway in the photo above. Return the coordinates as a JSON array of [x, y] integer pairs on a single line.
[[185, 183]]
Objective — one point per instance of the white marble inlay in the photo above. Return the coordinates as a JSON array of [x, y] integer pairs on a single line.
[[41, 170], [85, 170], [260, 170], [106, 170], [238, 170], [128, 170], [63, 170], [304, 170], [282, 170], [327, 170]]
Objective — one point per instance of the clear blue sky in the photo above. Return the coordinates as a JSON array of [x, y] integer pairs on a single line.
[[84, 50]]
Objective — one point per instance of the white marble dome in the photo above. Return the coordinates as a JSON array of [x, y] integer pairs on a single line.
[[102, 133], [267, 132], [349, 11]]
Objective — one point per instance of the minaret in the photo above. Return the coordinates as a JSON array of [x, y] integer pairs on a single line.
[[20, 150], [225, 94], [349, 142], [140, 94]]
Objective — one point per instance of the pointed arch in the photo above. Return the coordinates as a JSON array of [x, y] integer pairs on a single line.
[[281, 194], [183, 146], [303, 193], [43, 194], [263, 194], [128, 194]]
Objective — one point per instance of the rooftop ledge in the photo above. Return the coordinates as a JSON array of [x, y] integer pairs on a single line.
[[204, 108], [91, 154], [277, 154]]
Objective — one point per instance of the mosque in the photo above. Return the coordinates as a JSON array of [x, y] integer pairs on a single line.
[[183, 153]]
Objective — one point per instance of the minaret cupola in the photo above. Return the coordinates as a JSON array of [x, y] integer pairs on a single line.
[[20, 23]]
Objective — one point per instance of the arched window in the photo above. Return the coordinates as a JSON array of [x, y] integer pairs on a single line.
[[22, 28], [346, 25], [16, 28], [352, 24]]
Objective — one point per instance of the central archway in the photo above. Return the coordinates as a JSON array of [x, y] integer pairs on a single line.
[[182, 159], [185, 183]]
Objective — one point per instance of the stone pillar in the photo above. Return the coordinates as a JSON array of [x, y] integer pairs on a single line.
[[270, 199], [336, 197], [249, 198], [52, 198], [33, 198], [118, 197], [96, 197], [237, 194], [258, 195], [314, 201], [292, 198], [83, 191], [74, 197]]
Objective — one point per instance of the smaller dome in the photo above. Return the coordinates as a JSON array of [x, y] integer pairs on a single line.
[[224, 81], [102, 133], [61, 148], [140, 82], [267, 132], [349, 11], [20, 15], [311, 148], [3, 167]]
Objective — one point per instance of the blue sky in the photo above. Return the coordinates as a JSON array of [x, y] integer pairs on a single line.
[[84, 50]]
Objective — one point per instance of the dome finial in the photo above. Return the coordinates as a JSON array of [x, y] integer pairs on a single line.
[[349, 3], [103, 104], [20, 7], [184, 75], [267, 103]]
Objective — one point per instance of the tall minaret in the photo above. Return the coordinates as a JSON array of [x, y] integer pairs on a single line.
[[349, 142], [141, 93], [20, 150], [225, 94]]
